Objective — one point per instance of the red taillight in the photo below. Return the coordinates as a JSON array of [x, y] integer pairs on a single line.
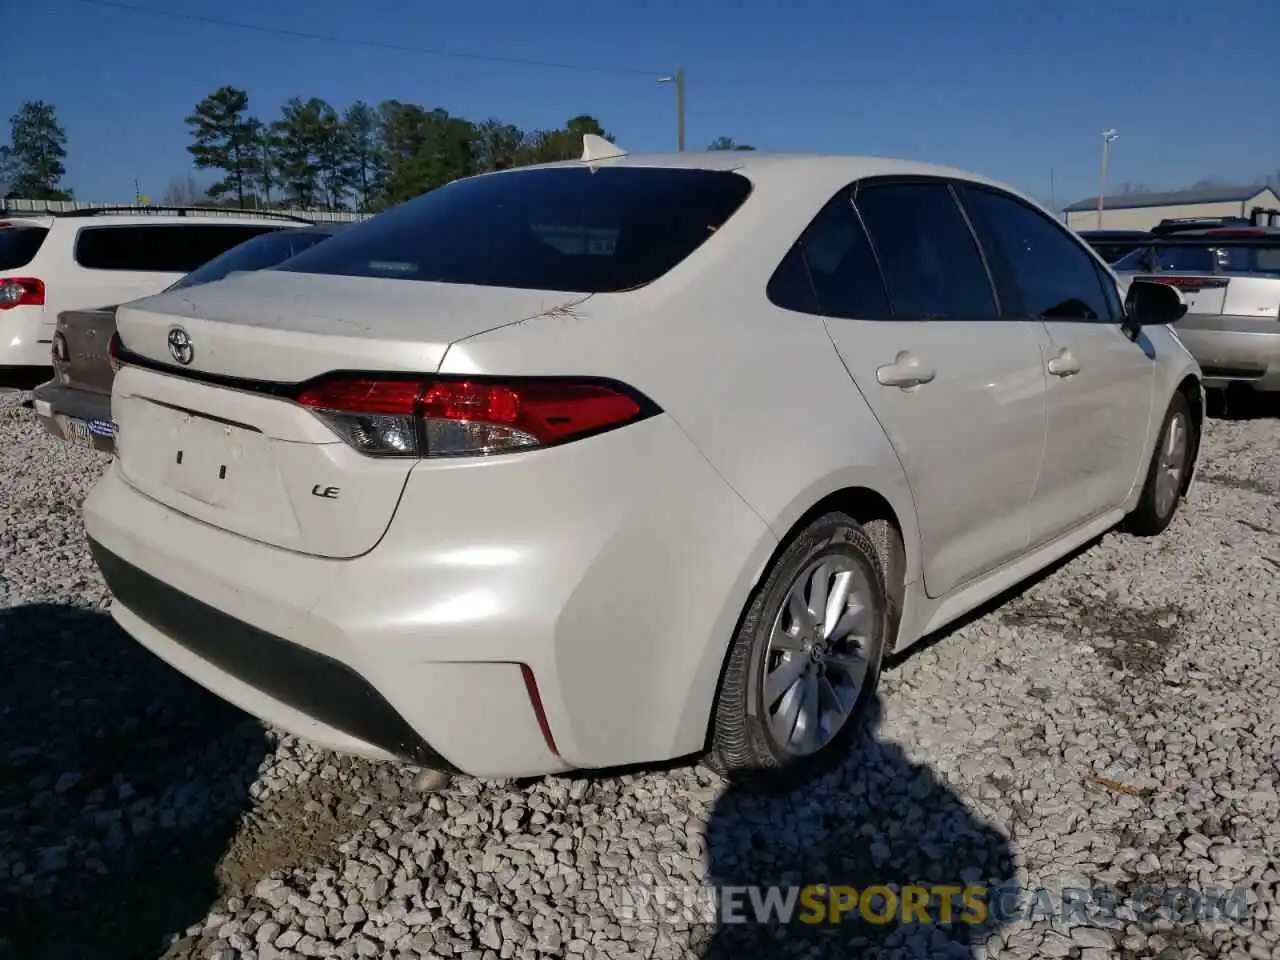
[[113, 353], [60, 352], [449, 418], [21, 292], [1236, 232]]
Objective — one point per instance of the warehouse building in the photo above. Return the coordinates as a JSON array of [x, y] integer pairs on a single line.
[[1142, 211]]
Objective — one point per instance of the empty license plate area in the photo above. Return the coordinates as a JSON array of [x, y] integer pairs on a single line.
[[206, 454], [217, 471]]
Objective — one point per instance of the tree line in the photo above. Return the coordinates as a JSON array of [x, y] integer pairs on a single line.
[[312, 156], [364, 157]]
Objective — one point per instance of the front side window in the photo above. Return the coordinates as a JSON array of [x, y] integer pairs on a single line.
[[832, 269], [1051, 275], [573, 229], [932, 266], [160, 248]]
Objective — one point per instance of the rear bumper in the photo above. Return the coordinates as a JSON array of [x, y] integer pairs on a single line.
[[56, 403], [1234, 350], [612, 572], [320, 687]]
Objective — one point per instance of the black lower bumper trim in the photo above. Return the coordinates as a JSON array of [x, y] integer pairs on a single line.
[[309, 682], [70, 402]]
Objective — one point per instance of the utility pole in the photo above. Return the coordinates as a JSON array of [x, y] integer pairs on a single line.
[[677, 78], [1108, 137], [1053, 202]]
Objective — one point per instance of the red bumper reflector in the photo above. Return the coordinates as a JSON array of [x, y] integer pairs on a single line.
[[535, 699]]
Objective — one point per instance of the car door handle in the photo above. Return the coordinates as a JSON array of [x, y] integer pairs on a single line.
[[1064, 364], [907, 370]]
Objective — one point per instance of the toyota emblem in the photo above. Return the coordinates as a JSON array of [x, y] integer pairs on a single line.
[[180, 346]]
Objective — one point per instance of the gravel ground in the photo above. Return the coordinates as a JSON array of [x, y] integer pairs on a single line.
[[1116, 724]]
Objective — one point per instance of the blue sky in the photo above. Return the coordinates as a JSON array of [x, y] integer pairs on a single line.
[[1010, 88]]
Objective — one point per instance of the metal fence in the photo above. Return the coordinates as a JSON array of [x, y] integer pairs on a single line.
[[70, 206]]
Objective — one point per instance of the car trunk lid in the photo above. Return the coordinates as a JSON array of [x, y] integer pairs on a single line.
[[87, 334], [289, 327], [219, 437]]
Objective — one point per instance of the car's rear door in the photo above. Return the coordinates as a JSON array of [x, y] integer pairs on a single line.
[[1100, 380], [958, 390]]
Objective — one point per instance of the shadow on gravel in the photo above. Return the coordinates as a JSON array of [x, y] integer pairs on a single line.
[[121, 783], [24, 378], [1243, 404], [877, 820]]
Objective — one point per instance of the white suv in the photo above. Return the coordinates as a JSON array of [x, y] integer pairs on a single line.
[[102, 257]]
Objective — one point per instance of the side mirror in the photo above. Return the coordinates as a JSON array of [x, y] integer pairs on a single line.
[[1150, 304]]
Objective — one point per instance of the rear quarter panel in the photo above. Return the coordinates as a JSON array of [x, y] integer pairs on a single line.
[[759, 391]]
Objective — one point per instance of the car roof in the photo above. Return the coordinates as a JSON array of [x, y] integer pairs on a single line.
[[26, 220], [1230, 235], [170, 219], [816, 170], [1115, 234], [770, 163]]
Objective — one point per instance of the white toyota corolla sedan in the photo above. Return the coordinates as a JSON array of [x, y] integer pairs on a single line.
[[630, 458]]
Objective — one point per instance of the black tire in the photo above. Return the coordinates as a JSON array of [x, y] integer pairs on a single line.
[[1147, 518], [741, 746]]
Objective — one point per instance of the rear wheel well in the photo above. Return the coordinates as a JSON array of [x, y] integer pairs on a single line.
[[875, 515]]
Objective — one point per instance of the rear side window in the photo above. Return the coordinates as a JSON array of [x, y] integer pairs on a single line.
[[831, 269], [19, 245], [574, 229], [258, 253], [1266, 259], [1051, 275], [159, 248], [931, 262]]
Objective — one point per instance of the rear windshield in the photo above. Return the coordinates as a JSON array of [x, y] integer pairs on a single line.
[[18, 245], [1206, 258], [259, 253], [569, 229]]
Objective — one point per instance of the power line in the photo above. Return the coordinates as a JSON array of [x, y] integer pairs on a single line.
[[379, 44]]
